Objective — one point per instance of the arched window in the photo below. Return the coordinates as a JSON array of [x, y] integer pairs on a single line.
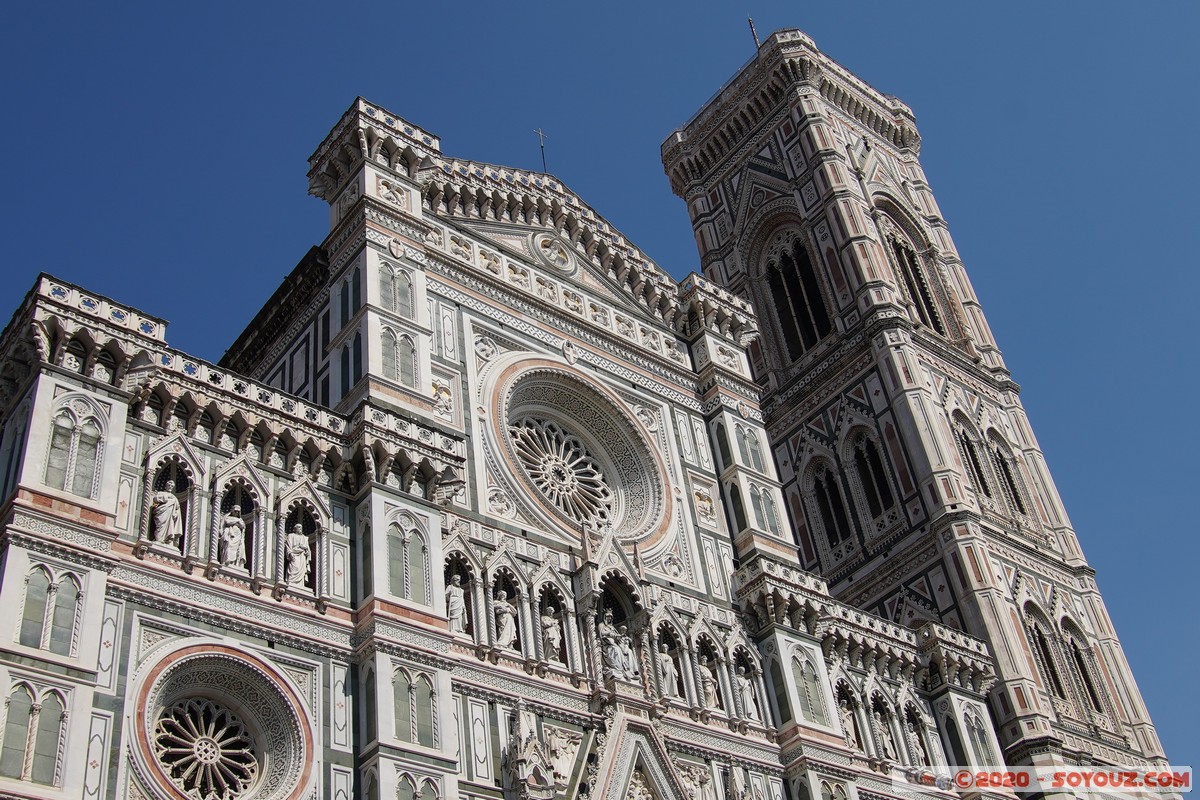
[[371, 707], [396, 578], [1044, 655], [970, 458], [979, 741], [1081, 661], [358, 352], [872, 477], [16, 733], [371, 787], [831, 510], [408, 564], [50, 613], [345, 369], [33, 616], [66, 612], [417, 557], [403, 692], [796, 294], [406, 789], [812, 701], [739, 509], [1002, 463], [428, 791], [46, 738], [395, 288], [723, 445], [423, 711], [32, 734], [916, 283], [73, 462], [406, 361]]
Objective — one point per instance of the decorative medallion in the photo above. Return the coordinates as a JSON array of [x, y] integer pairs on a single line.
[[553, 251]]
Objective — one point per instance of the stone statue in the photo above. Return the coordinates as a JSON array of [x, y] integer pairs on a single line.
[[745, 690], [456, 605], [297, 556], [551, 634], [610, 645], [232, 545], [885, 735], [709, 695], [168, 523], [563, 745], [506, 620], [668, 675], [629, 665], [849, 724], [920, 755]]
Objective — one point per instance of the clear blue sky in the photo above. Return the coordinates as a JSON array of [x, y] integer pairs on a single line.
[[156, 153]]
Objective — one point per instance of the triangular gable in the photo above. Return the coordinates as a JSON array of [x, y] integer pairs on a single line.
[[303, 489], [242, 467], [637, 748], [176, 445], [570, 278]]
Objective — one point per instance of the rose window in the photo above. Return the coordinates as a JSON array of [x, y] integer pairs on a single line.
[[206, 750], [563, 470]]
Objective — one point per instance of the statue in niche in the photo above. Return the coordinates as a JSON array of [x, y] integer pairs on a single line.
[[456, 605], [885, 735], [745, 690], [551, 634], [610, 649], [168, 521], [297, 556], [506, 620], [629, 665], [849, 723], [667, 673], [916, 745], [709, 695], [232, 545]]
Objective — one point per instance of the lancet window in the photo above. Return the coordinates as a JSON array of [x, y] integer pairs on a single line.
[[408, 564], [969, 452], [808, 686], [915, 280], [399, 358], [1005, 472]]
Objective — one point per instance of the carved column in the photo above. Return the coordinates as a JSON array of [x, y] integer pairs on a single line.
[[214, 536]]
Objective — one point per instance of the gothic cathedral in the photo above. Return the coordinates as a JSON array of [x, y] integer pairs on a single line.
[[483, 504]]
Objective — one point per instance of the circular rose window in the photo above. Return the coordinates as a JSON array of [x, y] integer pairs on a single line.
[[219, 724], [574, 452]]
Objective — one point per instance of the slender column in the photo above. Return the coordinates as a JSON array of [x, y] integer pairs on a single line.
[[215, 526]]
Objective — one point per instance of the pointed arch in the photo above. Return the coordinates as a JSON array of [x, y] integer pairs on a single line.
[[806, 678], [36, 605], [75, 455], [966, 438]]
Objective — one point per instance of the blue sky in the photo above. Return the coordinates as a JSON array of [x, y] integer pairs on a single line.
[[157, 154]]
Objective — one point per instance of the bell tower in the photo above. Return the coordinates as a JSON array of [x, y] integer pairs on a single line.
[[912, 478]]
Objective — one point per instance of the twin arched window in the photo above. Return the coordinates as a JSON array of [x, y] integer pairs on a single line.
[[831, 510], [50, 616], [796, 294], [395, 290], [415, 705], [33, 729], [1007, 477], [872, 477], [73, 463], [749, 448], [399, 358], [408, 564], [808, 686], [764, 509], [969, 452]]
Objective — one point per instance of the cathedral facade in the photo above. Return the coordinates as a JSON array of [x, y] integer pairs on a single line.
[[484, 504]]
